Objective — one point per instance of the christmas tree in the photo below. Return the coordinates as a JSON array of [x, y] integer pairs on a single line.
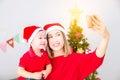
[[77, 39]]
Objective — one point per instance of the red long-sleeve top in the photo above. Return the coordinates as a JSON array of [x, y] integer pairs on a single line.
[[74, 67]]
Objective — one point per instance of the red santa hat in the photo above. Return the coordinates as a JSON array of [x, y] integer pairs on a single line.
[[30, 32], [52, 26]]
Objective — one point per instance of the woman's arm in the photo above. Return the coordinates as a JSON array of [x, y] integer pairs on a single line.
[[97, 25]]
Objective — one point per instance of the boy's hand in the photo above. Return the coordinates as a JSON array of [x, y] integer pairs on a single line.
[[45, 74]]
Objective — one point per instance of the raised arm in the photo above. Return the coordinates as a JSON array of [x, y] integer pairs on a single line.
[[97, 25]]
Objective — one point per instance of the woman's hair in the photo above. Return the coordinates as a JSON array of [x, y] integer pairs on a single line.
[[66, 47]]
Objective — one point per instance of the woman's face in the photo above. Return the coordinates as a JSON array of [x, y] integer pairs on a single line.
[[55, 39]]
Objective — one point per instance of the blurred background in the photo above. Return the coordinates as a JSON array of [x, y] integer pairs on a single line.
[[17, 14]]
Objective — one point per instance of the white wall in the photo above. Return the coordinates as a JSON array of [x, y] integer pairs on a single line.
[[16, 14]]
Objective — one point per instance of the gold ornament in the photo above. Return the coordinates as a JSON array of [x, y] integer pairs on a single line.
[[80, 50]]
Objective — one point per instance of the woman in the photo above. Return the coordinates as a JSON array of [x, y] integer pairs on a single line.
[[69, 66]]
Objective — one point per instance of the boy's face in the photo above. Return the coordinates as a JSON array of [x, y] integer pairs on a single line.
[[39, 41]]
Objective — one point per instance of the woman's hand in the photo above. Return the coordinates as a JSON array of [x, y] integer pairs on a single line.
[[97, 25]]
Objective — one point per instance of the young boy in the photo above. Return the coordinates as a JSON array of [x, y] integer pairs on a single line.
[[34, 64]]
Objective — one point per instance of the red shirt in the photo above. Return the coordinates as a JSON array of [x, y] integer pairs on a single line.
[[74, 67], [33, 63]]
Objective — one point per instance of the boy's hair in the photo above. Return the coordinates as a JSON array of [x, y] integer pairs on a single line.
[[66, 47]]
